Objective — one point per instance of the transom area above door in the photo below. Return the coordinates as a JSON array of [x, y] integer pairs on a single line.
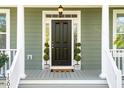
[[47, 17]]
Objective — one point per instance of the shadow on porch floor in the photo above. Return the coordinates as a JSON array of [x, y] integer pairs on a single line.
[[76, 75]]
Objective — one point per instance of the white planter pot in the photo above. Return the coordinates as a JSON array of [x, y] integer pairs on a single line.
[[77, 67], [46, 66]]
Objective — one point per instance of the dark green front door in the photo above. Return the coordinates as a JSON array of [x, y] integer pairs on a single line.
[[61, 42]]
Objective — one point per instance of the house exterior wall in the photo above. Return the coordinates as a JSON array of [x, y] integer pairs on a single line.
[[13, 28], [91, 38], [33, 37], [90, 30]]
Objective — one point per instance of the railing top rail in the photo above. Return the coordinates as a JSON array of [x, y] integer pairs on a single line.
[[118, 49]]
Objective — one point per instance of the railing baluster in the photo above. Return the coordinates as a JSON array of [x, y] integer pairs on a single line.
[[119, 64], [122, 66], [10, 58], [118, 56]]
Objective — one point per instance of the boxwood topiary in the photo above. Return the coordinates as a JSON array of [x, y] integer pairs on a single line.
[[46, 50], [77, 51], [46, 44]]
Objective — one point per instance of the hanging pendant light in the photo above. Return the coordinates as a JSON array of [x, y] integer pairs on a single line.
[[60, 10]]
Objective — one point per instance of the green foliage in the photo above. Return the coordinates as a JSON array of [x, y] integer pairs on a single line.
[[77, 57], [78, 44], [46, 44], [3, 59], [46, 50], [77, 51], [46, 57], [119, 42]]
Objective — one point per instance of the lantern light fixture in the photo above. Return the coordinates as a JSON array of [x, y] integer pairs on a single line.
[[60, 10]]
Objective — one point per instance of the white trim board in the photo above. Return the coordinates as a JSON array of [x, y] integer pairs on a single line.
[[48, 20], [7, 12]]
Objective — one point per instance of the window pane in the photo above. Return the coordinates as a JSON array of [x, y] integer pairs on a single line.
[[120, 23], [2, 22], [2, 41]]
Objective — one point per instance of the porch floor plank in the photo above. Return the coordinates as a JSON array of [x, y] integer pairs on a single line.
[[76, 75]]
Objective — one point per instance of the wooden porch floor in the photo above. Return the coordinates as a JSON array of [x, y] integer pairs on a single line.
[[76, 75]]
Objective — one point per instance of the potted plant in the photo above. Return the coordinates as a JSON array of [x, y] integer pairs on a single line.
[[46, 55], [3, 59], [77, 56]]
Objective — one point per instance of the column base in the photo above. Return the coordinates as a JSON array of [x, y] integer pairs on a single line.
[[23, 76], [102, 76]]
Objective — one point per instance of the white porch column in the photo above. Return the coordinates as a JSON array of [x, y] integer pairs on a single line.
[[105, 37], [21, 38]]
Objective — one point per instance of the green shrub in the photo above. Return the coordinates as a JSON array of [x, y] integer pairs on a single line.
[[77, 58], [46, 50], [78, 44], [77, 50], [3, 59], [46, 58], [46, 45]]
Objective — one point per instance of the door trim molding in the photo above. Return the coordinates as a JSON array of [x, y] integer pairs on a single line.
[[48, 21]]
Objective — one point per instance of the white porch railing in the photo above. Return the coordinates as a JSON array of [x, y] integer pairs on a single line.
[[113, 74], [11, 54], [118, 55], [13, 74]]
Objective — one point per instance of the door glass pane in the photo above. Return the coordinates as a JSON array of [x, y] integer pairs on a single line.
[[2, 22], [2, 41], [120, 41]]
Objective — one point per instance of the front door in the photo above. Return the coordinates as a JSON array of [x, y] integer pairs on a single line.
[[61, 42]]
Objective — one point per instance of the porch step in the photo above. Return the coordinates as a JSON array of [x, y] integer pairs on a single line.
[[63, 84]]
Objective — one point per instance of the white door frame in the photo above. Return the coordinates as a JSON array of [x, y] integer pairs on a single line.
[[48, 21], [7, 12]]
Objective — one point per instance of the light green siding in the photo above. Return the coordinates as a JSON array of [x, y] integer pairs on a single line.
[[13, 27], [33, 37], [91, 38], [90, 30]]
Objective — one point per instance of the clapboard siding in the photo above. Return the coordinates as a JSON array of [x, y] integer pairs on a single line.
[[13, 27], [91, 38], [33, 36]]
